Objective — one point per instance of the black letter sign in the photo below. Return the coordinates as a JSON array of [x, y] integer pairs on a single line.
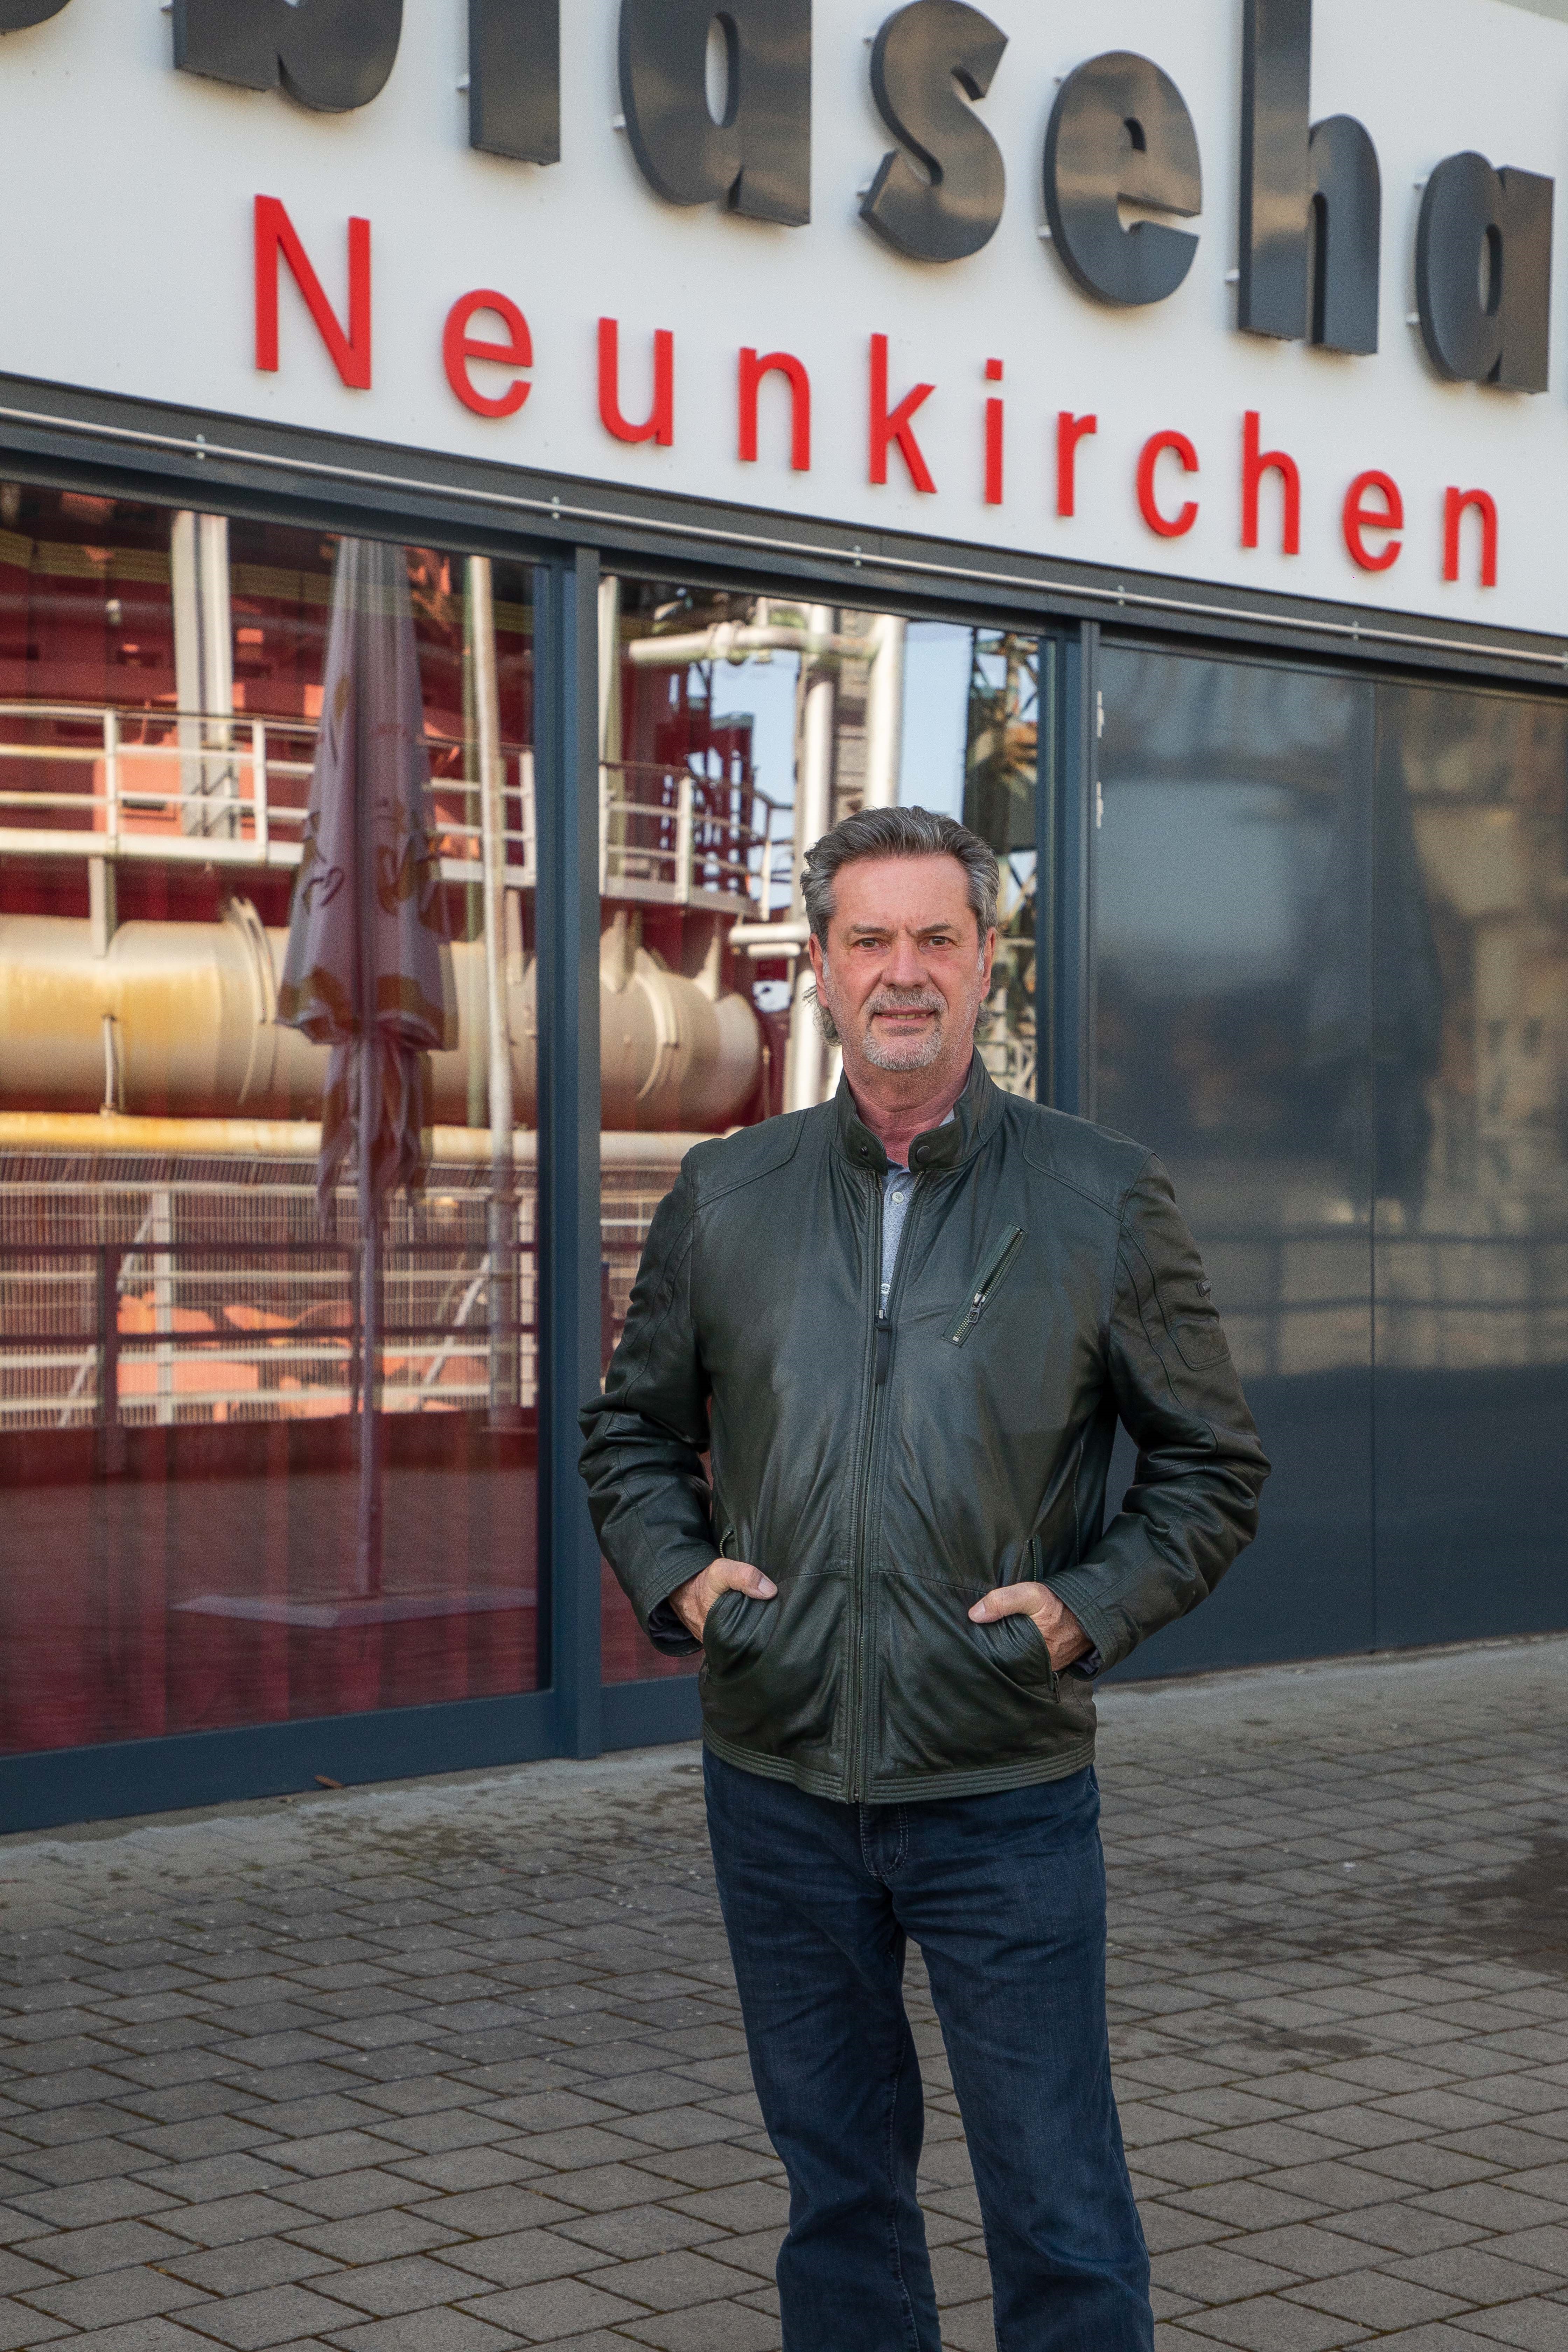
[[757, 160], [1473, 218], [1293, 181], [514, 79], [1120, 131], [919, 55], [332, 54]]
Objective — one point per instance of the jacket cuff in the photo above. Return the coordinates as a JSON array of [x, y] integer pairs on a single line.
[[1107, 1630], [660, 1621]]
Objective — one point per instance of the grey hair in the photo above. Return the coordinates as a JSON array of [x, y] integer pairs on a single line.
[[898, 832]]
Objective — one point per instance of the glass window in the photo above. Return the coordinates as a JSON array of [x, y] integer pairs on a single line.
[[1232, 1012], [267, 1404], [734, 730], [1332, 992], [1470, 1090]]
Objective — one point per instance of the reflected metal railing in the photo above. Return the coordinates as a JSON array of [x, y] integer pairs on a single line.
[[667, 833], [217, 789], [232, 790], [167, 1329], [1437, 1300]]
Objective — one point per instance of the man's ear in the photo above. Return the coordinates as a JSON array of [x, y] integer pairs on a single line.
[[813, 950]]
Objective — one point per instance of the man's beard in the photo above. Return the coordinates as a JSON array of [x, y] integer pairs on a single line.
[[918, 1053]]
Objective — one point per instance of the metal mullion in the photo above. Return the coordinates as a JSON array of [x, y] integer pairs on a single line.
[[1068, 821], [570, 1248]]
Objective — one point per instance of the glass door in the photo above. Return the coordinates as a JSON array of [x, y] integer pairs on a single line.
[[734, 730]]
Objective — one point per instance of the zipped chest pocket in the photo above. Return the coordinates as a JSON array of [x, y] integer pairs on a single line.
[[995, 1268]]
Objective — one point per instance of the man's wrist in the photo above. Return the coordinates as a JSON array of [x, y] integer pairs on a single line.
[[665, 1622]]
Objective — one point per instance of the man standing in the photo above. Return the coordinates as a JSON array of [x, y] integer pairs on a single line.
[[902, 1328]]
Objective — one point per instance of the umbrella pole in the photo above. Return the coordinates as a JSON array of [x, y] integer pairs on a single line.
[[370, 1507], [505, 1392], [368, 1562]]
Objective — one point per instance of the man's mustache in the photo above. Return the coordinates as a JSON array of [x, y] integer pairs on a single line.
[[904, 1000]]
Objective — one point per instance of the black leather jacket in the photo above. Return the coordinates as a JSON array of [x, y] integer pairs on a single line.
[[886, 1472]]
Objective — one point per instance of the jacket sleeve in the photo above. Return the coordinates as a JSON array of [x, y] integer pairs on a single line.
[[645, 1437], [1192, 1505]]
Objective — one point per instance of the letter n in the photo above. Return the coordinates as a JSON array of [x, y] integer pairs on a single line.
[[1456, 504], [277, 239], [753, 370]]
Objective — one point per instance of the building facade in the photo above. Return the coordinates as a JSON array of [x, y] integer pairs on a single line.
[[513, 476]]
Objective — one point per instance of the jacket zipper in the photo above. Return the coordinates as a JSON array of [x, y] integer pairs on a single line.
[[879, 1364], [869, 1398], [993, 1274]]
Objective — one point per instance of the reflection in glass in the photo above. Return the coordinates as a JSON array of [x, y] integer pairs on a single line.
[[1334, 973], [1471, 1086], [263, 1462], [734, 731], [1233, 1023]]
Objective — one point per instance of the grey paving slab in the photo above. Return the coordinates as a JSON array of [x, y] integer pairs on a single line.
[[1537, 2327], [427, 2331], [113, 2296], [144, 2336], [19, 2325], [255, 2263], [553, 2309], [274, 2314], [456, 2066], [80, 2253]]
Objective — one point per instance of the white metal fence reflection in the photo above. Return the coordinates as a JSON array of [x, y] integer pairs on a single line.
[[193, 1298], [191, 787]]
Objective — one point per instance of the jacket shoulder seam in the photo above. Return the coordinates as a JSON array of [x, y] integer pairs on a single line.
[[1131, 1240], [706, 1191], [1110, 1199], [1125, 1241]]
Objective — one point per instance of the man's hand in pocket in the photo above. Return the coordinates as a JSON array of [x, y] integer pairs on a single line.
[[692, 1601], [1059, 1630]]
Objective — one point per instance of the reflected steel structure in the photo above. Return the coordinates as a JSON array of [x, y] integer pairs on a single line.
[[1404, 1444]]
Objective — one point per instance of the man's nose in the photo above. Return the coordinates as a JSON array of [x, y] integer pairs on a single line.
[[906, 966]]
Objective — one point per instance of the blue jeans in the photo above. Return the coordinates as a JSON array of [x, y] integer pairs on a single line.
[[1005, 1897]]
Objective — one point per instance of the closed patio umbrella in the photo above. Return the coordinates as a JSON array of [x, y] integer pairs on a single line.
[[368, 967]]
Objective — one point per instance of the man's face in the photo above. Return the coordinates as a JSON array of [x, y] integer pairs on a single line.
[[906, 970]]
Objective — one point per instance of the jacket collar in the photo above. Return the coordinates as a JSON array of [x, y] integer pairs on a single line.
[[940, 1148]]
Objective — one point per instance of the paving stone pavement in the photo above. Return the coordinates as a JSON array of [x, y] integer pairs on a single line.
[[456, 2067]]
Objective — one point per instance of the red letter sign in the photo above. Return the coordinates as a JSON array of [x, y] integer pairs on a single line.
[[1362, 515], [275, 236], [1255, 463], [886, 429], [1454, 507], [995, 428], [660, 425], [1070, 431], [458, 347], [1155, 448], [753, 370]]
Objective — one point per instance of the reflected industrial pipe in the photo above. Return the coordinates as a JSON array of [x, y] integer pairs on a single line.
[[178, 1020], [505, 1361], [818, 737]]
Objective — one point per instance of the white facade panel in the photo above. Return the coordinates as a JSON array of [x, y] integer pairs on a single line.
[[129, 189]]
